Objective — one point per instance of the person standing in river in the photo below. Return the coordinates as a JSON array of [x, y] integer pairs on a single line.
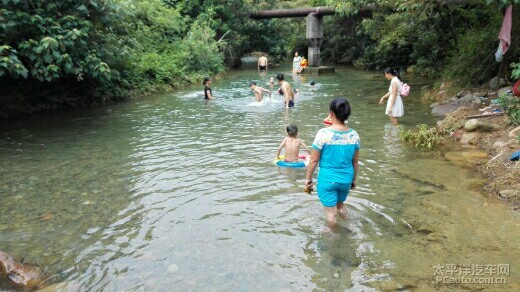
[[336, 150], [296, 63], [394, 104], [286, 90], [207, 90], [262, 63]]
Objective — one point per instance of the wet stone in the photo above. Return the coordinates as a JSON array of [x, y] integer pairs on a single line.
[[173, 268], [434, 237], [469, 138], [480, 125], [390, 285], [424, 230], [46, 216], [465, 158], [509, 194]]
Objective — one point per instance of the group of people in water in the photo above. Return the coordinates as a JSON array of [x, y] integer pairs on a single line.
[[285, 89], [335, 147], [299, 63]]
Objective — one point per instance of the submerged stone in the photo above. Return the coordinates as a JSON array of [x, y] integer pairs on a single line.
[[173, 268]]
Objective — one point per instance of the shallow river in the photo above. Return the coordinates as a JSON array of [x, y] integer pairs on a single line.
[[172, 192]]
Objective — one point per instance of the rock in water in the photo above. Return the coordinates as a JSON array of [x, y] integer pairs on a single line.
[[23, 275], [46, 216], [509, 194], [173, 268]]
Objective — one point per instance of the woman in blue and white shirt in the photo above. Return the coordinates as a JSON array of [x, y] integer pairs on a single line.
[[336, 149]]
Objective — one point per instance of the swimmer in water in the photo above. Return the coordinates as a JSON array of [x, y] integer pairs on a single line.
[[271, 82], [207, 90], [292, 145], [258, 91]]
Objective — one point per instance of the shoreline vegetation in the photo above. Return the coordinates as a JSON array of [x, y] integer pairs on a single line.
[[482, 122]]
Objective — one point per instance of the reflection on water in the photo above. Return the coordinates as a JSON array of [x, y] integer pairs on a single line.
[[176, 190]]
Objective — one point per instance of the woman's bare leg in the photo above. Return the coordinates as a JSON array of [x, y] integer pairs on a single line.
[[330, 215], [342, 210]]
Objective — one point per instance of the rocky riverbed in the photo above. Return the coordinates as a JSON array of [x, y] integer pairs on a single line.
[[487, 138]]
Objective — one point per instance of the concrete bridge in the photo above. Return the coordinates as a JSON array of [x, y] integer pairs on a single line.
[[314, 30]]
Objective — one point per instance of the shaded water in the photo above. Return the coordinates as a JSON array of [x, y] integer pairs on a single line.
[[176, 193]]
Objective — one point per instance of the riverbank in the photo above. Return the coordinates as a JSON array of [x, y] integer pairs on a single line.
[[482, 124]]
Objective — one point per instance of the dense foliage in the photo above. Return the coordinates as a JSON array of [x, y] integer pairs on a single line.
[[454, 39], [71, 53], [511, 105]]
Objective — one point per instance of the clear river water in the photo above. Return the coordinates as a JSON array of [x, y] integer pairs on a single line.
[[172, 192]]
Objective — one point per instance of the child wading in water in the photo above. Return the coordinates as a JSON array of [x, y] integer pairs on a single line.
[[292, 145]]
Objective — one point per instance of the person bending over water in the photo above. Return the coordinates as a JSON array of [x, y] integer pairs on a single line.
[[288, 94], [394, 105], [292, 145], [336, 150], [258, 91], [207, 90]]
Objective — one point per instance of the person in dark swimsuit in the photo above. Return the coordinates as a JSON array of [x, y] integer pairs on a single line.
[[286, 90], [291, 101], [207, 90], [262, 63]]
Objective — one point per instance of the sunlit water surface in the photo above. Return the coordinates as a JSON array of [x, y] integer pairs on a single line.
[[173, 192]]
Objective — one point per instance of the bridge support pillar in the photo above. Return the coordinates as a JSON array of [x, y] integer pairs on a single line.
[[314, 35]]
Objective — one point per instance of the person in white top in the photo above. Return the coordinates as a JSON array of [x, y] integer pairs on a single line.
[[296, 63], [394, 105]]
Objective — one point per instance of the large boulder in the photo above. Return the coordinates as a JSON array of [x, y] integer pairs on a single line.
[[480, 125], [440, 110], [469, 100], [495, 83]]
